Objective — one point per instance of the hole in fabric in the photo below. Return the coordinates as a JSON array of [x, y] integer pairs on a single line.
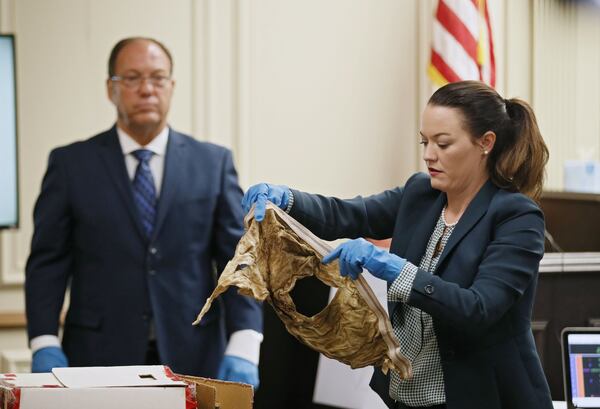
[[310, 296]]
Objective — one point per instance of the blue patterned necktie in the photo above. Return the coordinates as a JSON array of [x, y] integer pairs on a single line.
[[144, 191]]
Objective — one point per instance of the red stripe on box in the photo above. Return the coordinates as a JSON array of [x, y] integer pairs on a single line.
[[16, 402], [170, 374], [190, 390]]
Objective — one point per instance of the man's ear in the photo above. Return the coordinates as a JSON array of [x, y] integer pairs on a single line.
[[111, 91]]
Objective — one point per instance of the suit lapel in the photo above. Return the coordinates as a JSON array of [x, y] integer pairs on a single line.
[[420, 238], [173, 173], [112, 156], [475, 211]]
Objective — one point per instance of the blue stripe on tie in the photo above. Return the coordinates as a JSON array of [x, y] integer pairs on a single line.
[[144, 190]]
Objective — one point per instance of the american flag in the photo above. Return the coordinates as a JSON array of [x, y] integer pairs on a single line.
[[462, 47]]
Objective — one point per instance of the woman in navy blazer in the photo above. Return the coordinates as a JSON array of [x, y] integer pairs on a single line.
[[466, 243]]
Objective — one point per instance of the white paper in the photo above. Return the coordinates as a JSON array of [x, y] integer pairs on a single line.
[[110, 376], [28, 380], [339, 385]]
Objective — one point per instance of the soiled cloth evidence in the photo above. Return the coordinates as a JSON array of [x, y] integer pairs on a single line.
[[273, 255]]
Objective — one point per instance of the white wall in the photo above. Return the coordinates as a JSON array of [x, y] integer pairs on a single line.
[[565, 82], [330, 94]]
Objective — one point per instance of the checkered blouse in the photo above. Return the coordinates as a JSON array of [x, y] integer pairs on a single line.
[[414, 330]]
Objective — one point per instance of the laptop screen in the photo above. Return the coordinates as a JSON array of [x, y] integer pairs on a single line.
[[581, 351]]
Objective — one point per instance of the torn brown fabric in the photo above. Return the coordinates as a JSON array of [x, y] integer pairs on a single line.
[[277, 252]]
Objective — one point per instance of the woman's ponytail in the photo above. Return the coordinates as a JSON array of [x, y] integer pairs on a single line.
[[521, 167]]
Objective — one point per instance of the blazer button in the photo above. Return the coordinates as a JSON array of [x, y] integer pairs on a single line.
[[153, 250], [429, 289]]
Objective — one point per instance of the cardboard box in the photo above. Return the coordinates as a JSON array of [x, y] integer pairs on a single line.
[[140, 387], [215, 394]]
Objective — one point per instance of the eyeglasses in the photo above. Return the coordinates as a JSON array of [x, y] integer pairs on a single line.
[[134, 81]]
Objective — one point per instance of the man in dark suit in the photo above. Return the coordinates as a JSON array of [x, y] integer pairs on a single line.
[[135, 220]]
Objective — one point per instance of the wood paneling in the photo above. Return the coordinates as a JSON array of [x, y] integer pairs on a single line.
[[572, 219], [10, 320]]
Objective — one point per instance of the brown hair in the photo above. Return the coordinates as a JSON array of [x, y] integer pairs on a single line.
[[114, 53], [519, 156]]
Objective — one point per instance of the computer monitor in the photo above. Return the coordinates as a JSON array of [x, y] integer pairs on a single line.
[[581, 367], [9, 195]]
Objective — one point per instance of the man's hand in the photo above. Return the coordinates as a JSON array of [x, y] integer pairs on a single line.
[[355, 254], [44, 359], [238, 369], [259, 194]]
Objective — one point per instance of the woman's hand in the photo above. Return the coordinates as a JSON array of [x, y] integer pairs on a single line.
[[355, 254], [259, 194]]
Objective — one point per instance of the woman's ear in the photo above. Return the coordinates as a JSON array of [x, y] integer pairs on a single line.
[[487, 142]]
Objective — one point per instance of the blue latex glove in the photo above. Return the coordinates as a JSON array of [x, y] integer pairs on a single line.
[[259, 194], [236, 369], [359, 253], [43, 360]]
